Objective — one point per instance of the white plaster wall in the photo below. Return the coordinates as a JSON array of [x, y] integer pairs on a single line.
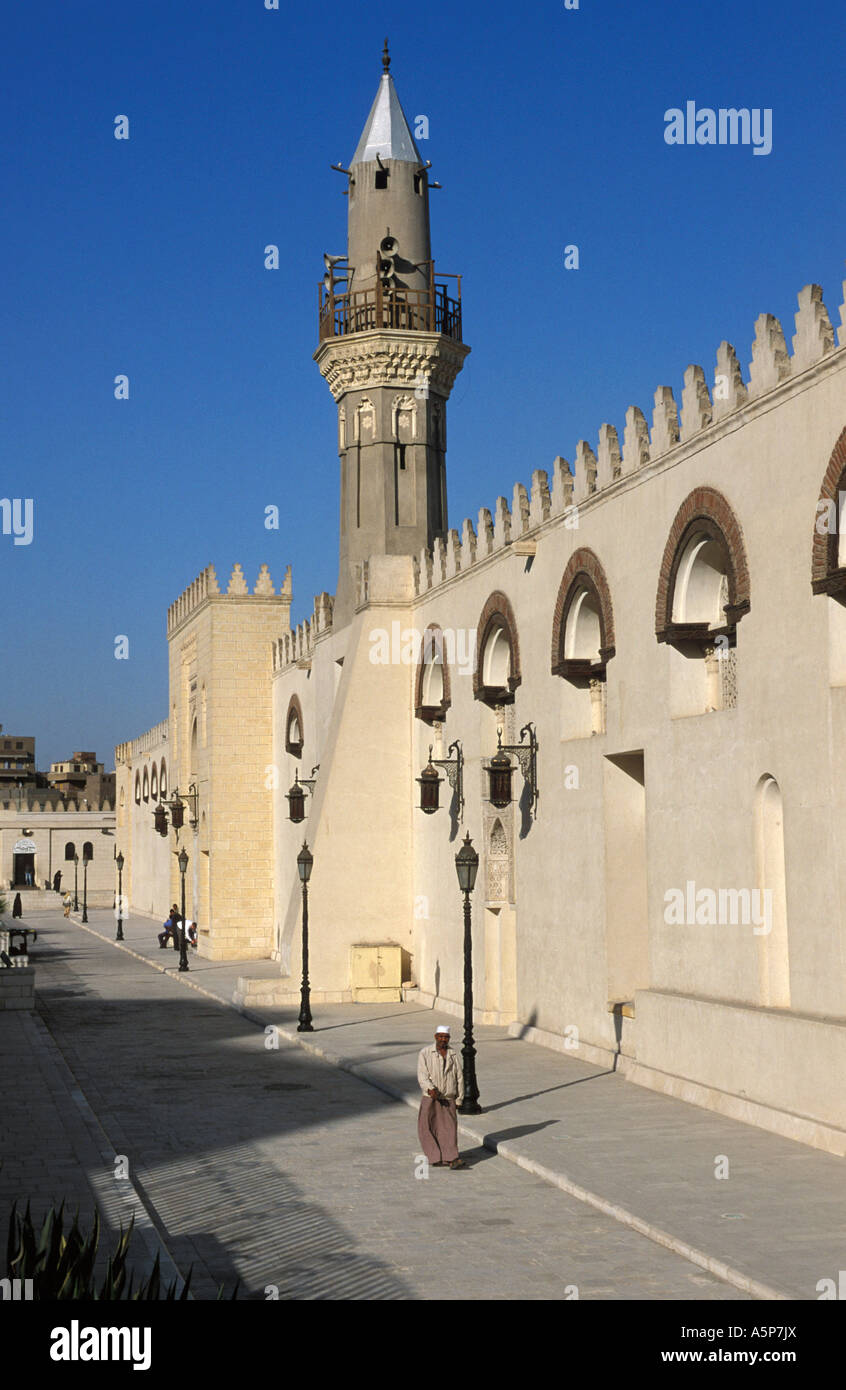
[[383, 870]]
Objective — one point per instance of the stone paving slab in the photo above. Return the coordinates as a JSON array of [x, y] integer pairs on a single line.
[[776, 1225]]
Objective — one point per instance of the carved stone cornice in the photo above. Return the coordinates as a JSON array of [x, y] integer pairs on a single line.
[[390, 358]]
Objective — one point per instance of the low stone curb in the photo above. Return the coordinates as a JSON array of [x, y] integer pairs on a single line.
[[718, 1268]]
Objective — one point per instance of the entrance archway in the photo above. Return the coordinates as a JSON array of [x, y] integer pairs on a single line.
[[23, 864]]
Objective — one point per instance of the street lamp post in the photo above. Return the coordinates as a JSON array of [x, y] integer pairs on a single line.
[[183, 937], [466, 866], [119, 936], [305, 859], [76, 883], [85, 859]]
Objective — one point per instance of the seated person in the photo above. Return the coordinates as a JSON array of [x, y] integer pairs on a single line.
[[169, 930]]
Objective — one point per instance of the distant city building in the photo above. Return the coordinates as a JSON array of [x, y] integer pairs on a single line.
[[50, 826], [82, 779], [17, 760], [46, 843]]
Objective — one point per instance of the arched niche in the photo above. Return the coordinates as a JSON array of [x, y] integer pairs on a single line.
[[497, 671], [703, 593], [432, 686], [771, 914], [583, 644], [294, 727]]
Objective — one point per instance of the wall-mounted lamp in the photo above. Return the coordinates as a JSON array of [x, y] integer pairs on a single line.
[[430, 783], [500, 768], [177, 810], [176, 806], [296, 796]]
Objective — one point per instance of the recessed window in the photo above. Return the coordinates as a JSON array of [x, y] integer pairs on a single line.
[[828, 572], [381, 180], [497, 672], [583, 644], [432, 686], [703, 593], [294, 738], [496, 664]]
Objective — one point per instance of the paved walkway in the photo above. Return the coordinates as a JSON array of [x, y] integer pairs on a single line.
[[640, 1163]]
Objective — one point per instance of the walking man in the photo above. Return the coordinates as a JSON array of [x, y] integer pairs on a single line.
[[442, 1083]]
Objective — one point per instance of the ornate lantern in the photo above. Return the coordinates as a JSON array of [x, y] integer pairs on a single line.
[[296, 796], [177, 814], [305, 859], [466, 865], [500, 771], [430, 784], [296, 801], [160, 820], [500, 768]]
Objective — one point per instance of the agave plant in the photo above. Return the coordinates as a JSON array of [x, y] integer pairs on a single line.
[[60, 1265]]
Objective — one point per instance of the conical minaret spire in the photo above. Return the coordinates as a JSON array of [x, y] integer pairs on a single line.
[[390, 350]]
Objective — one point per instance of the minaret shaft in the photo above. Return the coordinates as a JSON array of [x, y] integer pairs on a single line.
[[390, 351]]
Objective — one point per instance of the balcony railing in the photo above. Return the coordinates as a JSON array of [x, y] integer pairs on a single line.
[[418, 311]]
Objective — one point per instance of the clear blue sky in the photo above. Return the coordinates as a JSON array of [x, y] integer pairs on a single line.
[[145, 257]]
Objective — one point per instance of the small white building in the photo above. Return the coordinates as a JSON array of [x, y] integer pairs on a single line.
[[46, 844]]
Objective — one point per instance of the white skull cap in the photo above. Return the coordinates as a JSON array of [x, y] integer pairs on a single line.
[[442, 1028]]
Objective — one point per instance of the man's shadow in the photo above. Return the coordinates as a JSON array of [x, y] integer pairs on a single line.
[[481, 1152]]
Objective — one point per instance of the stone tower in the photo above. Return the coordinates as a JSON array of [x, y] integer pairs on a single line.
[[390, 350]]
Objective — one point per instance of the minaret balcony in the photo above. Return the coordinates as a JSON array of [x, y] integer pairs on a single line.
[[429, 310]]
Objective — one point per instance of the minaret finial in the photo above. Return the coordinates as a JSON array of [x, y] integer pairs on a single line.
[[386, 58]]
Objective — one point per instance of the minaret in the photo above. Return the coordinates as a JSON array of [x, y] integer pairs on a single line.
[[390, 350]]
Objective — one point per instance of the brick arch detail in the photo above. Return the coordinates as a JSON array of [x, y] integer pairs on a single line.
[[585, 564], [497, 612], [704, 504], [824, 549], [419, 707]]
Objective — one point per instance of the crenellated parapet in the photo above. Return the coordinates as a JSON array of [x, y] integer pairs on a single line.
[[57, 805], [137, 747], [295, 648], [206, 587], [702, 409]]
